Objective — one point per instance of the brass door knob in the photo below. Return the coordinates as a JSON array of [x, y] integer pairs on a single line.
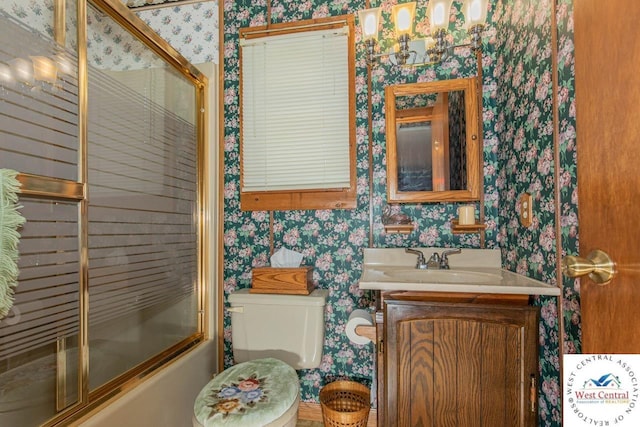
[[598, 265]]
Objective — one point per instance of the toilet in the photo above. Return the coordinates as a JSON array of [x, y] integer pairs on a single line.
[[272, 336]]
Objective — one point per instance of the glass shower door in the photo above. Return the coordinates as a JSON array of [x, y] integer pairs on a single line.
[[110, 166], [40, 336], [143, 188]]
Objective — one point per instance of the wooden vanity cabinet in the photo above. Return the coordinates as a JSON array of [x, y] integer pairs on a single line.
[[465, 364]]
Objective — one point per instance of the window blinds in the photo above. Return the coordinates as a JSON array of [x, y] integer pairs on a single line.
[[295, 111]]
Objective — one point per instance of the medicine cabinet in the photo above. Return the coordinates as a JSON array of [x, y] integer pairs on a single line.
[[433, 144]]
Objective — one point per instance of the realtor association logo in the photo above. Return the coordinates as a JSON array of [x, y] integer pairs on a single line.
[[601, 390], [607, 387]]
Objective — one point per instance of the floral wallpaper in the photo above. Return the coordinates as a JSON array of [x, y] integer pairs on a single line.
[[331, 240], [432, 221], [526, 165], [518, 150], [518, 155], [192, 29], [109, 47], [36, 14], [525, 127], [567, 181]]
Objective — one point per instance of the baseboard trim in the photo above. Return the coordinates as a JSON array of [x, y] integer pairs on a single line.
[[313, 412]]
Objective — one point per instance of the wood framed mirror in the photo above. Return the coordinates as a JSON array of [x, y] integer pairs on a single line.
[[433, 148]]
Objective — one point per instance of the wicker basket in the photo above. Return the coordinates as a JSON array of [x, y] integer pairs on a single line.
[[345, 404]]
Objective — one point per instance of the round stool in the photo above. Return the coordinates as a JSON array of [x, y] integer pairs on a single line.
[[258, 393]]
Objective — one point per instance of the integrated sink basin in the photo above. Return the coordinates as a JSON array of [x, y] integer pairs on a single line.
[[442, 276], [471, 270]]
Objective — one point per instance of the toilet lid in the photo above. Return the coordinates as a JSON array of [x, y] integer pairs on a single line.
[[249, 394]]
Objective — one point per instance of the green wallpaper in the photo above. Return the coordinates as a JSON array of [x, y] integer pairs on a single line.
[[518, 156], [567, 181], [526, 164], [331, 240]]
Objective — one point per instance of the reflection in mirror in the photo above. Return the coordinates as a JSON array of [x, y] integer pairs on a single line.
[[432, 146], [430, 142]]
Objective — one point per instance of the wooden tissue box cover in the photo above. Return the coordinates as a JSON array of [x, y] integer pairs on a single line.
[[273, 280]]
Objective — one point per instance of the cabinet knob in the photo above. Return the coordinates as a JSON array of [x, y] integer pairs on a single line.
[[598, 265]]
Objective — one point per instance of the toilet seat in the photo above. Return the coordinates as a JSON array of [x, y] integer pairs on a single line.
[[254, 393]]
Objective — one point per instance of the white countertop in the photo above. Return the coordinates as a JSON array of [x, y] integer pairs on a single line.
[[473, 270]]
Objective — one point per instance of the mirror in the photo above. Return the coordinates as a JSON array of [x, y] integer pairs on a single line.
[[433, 149]]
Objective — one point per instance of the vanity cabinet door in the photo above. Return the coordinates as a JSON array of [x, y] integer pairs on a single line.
[[460, 364]]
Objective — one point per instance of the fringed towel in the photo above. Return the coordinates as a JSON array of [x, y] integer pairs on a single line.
[[10, 221]]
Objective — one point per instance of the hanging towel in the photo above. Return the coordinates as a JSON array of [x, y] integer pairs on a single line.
[[10, 220]]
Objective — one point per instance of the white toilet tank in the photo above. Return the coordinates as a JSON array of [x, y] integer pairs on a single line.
[[287, 327]]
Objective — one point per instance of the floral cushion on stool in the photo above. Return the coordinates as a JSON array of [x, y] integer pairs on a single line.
[[249, 394]]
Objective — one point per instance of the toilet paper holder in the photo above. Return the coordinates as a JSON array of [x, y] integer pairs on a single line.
[[366, 331], [361, 327]]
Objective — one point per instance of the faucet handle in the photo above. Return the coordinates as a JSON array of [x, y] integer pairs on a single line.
[[444, 258], [451, 252], [421, 264], [414, 252]]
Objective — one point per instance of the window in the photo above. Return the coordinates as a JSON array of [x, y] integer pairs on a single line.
[[298, 115]]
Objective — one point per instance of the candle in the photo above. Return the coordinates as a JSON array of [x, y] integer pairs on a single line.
[[467, 215]]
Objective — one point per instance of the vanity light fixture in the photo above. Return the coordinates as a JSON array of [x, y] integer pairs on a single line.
[[430, 50]]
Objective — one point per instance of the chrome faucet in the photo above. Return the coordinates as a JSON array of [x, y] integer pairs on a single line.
[[436, 261], [444, 258]]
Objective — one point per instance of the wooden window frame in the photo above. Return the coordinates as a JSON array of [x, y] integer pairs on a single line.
[[331, 198]]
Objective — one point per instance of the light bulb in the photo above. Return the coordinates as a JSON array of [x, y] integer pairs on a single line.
[[370, 25], [438, 11], [475, 10], [438, 14], [404, 19]]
